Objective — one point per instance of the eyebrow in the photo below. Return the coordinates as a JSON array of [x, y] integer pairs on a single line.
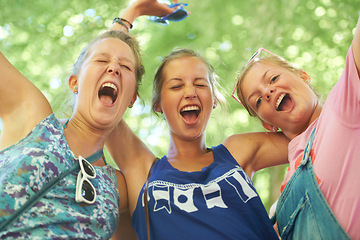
[[179, 79], [174, 79], [171, 80], [97, 54], [108, 55]]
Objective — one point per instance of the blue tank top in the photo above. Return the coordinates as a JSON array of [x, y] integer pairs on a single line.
[[219, 202], [35, 160]]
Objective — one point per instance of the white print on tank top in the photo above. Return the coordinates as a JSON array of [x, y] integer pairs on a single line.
[[211, 191]]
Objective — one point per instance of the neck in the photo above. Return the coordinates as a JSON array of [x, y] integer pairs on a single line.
[[316, 113], [188, 155], [82, 139]]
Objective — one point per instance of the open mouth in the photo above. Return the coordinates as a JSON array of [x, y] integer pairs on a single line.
[[190, 113], [284, 102], [108, 93]]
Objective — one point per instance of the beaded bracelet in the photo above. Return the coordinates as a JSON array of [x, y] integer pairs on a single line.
[[122, 20], [118, 20]]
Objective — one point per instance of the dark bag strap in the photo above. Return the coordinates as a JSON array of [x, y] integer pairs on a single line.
[[146, 206], [36, 197]]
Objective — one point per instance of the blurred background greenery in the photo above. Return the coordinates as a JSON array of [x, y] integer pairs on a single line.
[[43, 38]]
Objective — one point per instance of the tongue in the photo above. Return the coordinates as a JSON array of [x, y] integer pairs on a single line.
[[285, 104], [106, 100], [190, 116]]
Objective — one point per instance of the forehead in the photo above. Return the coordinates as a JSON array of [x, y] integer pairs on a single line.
[[112, 47], [186, 66], [259, 70], [256, 75]]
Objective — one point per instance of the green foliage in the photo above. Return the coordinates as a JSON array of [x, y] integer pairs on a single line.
[[313, 34]]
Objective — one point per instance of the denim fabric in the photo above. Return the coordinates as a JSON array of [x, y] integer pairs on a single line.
[[302, 211]]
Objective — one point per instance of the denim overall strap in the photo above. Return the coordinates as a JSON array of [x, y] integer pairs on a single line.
[[302, 211], [303, 162], [306, 156]]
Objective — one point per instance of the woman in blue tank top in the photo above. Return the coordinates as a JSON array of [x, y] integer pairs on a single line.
[[195, 192]]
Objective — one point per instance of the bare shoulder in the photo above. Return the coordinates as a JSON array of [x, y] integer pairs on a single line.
[[244, 140], [244, 145], [254, 139], [254, 151]]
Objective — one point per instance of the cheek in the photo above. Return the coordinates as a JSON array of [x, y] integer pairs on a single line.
[[165, 101], [130, 83], [206, 95], [265, 115], [210, 102]]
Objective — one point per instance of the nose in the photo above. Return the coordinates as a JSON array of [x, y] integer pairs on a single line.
[[269, 92], [190, 92], [113, 69]]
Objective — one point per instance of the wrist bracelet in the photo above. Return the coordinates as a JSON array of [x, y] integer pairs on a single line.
[[124, 20], [121, 21], [118, 20]]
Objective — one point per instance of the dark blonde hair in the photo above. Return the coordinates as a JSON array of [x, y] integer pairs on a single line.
[[126, 38], [177, 54], [272, 59]]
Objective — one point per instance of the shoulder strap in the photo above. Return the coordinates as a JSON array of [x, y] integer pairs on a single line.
[[308, 148], [36, 197], [146, 207], [302, 163]]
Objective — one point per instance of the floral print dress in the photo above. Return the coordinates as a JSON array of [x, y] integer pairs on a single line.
[[34, 161]]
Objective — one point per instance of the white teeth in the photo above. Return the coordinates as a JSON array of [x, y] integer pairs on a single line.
[[190, 108], [111, 85], [279, 100]]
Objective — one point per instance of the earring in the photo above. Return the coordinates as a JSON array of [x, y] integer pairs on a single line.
[[131, 104], [274, 129], [75, 89]]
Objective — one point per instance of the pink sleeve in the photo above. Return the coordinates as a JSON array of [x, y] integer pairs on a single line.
[[345, 95]]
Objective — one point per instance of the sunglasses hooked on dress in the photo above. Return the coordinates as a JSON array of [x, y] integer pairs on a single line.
[[85, 190]]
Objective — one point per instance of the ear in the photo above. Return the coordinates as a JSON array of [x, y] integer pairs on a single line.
[[215, 103], [73, 82], [269, 127], [158, 108], [304, 76], [133, 101]]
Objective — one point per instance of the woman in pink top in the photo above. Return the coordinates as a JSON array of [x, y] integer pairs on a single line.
[[320, 199]]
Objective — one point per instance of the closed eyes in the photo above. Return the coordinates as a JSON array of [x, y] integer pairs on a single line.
[[127, 67], [121, 65], [176, 87]]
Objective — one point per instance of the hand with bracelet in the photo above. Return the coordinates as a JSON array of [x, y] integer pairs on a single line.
[[140, 8]]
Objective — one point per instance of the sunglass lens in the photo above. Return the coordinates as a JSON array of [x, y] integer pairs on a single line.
[[87, 191], [178, 15], [253, 56], [88, 169]]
